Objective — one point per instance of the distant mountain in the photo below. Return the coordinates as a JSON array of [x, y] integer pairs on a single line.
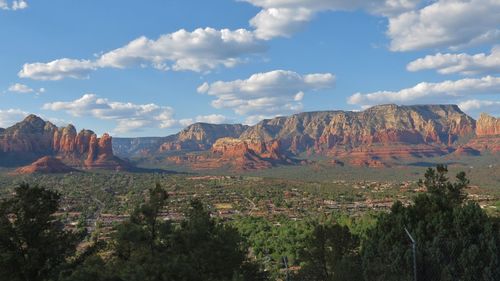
[[196, 137], [376, 137], [130, 147], [33, 138], [373, 137], [384, 124]]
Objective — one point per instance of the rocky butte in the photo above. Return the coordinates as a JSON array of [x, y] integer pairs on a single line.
[[33, 138]]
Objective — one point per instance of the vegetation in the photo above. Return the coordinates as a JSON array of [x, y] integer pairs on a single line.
[[455, 238], [33, 246]]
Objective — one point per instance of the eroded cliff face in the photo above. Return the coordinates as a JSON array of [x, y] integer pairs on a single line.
[[379, 125], [200, 136], [34, 137], [487, 126], [487, 134], [374, 137], [237, 154]]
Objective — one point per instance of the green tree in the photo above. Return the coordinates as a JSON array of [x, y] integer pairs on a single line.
[[33, 244], [206, 250], [331, 254], [148, 248], [455, 240]]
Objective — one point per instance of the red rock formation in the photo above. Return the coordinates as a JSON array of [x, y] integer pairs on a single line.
[[236, 154], [438, 125], [34, 137], [487, 126], [487, 134], [46, 165]]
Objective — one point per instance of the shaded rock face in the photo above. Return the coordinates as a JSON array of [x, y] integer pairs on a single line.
[[34, 137], [45, 165], [464, 150]]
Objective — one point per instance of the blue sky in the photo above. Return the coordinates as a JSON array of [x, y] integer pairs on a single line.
[[150, 68]]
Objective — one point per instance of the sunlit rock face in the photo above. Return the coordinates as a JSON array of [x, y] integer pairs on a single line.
[[34, 137]]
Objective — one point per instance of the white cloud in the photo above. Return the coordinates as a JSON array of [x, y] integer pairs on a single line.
[[19, 5], [16, 5], [413, 24], [447, 91], [128, 116], [211, 119], [4, 5], [446, 23], [459, 63], [20, 88], [266, 94], [8, 117], [475, 107], [198, 51], [285, 17], [58, 69]]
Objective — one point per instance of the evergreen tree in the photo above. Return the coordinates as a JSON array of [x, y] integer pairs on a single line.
[[455, 239], [33, 244], [331, 254]]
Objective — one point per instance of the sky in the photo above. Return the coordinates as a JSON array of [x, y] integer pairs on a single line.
[[152, 67]]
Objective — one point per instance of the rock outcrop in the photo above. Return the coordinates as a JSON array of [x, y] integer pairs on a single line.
[[33, 138], [487, 126], [487, 134], [45, 165], [200, 136], [237, 154]]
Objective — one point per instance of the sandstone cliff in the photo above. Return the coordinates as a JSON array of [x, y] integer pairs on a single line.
[[374, 137], [237, 154], [487, 134], [201, 136], [380, 125], [33, 138]]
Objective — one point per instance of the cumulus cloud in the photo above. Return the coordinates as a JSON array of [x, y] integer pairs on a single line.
[[446, 23], [19, 5], [128, 116], [475, 107], [285, 17], [447, 91], [266, 94], [413, 24], [211, 119], [11, 116], [20, 88], [58, 69], [199, 51], [16, 5], [459, 63]]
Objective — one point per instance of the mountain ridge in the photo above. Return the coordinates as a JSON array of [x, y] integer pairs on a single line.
[[374, 137]]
